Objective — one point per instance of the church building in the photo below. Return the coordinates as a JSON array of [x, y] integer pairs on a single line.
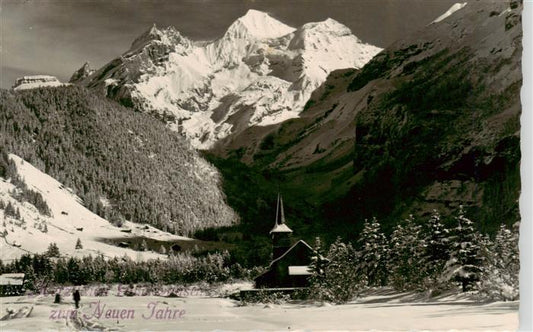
[[290, 261]]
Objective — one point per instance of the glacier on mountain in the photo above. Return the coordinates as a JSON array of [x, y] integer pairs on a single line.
[[260, 72]]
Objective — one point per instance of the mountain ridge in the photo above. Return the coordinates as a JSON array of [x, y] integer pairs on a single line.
[[259, 72]]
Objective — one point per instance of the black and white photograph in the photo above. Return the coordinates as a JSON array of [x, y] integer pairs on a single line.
[[263, 165]]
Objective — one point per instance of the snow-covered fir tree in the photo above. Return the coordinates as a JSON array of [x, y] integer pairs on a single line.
[[317, 268], [500, 277], [406, 258], [29, 278], [373, 254], [465, 263], [437, 242], [341, 282]]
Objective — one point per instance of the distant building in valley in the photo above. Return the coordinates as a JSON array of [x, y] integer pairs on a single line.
[[11, 284]]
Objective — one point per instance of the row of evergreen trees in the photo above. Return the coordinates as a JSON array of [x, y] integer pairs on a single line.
[[48, 268], [429, 257]]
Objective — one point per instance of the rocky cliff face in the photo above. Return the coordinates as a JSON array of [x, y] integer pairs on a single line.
[[82, 73], [260, 72], [430, 122]]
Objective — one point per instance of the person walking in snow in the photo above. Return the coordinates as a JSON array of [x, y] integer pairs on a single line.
[[77, 298]]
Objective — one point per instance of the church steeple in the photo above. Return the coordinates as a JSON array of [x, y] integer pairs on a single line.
[[281, 233]]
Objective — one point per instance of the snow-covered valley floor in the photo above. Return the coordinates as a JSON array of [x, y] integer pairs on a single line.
[[151, 313]]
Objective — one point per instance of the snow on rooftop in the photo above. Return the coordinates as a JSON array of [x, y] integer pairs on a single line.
[[281, 228], [12, 279], [453, 9], [299, 270], [301, 242]]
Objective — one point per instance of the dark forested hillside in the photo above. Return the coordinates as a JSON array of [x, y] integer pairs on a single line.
[[122, 164]]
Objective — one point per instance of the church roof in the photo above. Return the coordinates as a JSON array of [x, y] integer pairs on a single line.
[[300, 242], [281, 228]]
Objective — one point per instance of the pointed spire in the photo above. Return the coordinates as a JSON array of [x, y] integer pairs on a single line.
[[280, 226], [277, 212], [282, 221]]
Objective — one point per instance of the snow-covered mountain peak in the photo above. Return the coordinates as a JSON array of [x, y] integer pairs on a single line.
[[258, 24], [317, 35], [151, 34], [168, 36], [260, 72], [329, 26]]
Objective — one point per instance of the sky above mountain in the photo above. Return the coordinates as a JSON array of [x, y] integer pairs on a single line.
[[57, 36]]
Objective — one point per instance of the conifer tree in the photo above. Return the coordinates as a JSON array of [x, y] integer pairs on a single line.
[[74, 271], [29, 278], [500, 276], [405, 262], [373, 254], [341, 282], [437, 242], [465, 261], [78, 244], [10, 210], [317, 267], [53, 250]]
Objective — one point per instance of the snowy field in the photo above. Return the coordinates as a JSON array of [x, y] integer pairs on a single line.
[[385, 311]]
